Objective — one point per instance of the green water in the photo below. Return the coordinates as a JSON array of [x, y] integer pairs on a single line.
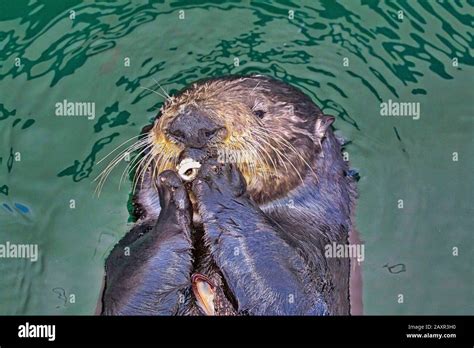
[[47, 161]]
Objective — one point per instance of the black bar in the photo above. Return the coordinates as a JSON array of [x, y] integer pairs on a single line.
[[290, 331]]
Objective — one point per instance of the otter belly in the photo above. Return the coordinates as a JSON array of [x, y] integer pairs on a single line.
[[210, 294]]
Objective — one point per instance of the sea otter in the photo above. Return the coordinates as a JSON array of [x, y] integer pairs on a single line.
[[247, 235]]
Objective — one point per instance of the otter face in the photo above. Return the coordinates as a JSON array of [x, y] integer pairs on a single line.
[[269, 129]]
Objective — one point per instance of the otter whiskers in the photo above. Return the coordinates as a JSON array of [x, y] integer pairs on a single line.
[[133, 164], [281, 141], [281, 156], [290, 146], [117, 147], [153, 91], [164, 90], [138, 145], [166, 95]]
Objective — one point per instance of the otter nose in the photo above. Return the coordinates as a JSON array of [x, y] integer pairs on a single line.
[[193, 129]]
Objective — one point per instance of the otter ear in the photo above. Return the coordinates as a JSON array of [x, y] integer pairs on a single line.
[[322, 125]]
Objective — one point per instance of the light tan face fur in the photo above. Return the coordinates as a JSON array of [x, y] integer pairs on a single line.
[[273, 153]]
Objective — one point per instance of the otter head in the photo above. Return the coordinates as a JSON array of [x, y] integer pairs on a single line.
[[270, 130]]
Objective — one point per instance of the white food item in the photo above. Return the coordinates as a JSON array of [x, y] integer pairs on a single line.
[[185, 165]]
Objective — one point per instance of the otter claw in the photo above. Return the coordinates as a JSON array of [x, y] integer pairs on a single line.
[[204, 290], [188, 169]]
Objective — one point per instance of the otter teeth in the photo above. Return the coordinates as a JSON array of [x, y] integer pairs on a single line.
[[188, 169]]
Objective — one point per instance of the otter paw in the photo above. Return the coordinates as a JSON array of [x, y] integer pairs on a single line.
[[219, 179], [220, 191], [174, 199]]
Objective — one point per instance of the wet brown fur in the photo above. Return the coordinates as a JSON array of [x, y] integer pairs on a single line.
[[278, 153]]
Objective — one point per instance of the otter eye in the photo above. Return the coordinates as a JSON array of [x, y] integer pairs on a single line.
[[259, 113]]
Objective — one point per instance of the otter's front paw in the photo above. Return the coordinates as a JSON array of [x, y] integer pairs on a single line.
[[224, 205], [174, 200], [219, 179]]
